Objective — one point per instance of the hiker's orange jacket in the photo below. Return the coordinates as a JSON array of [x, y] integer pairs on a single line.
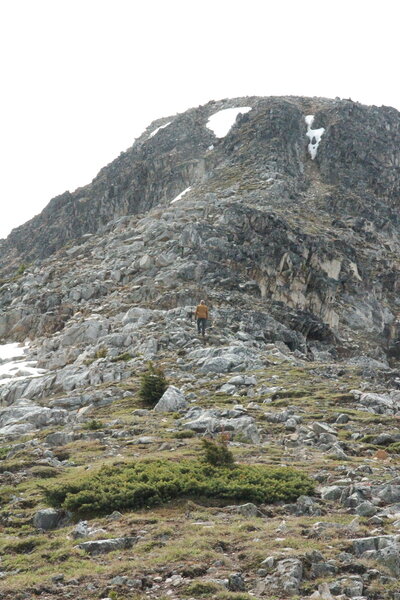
[[201, 312]]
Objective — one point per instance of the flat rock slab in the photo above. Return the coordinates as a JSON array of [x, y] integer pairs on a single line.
[[378, 542], [109, 545], [319, 427]]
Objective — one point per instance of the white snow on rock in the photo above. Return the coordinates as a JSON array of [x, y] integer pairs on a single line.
[[13, 367], [179, 196], [153, 133], [8, 351], [314, 135], [221, 122]]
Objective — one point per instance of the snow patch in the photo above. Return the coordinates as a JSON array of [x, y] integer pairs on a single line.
[[153, 133], [179, 196], [13, 350], [314, 135], [221, 122], [11, 365]]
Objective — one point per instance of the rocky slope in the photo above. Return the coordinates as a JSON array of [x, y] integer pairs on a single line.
[[288, 227]]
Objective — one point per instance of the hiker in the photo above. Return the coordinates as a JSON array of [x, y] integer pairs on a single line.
[[201, 314]]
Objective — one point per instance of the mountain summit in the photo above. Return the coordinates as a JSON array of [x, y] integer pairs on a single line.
[[291, 203]]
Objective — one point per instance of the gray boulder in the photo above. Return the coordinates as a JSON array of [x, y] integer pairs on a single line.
[[215, 421], [389, 494], [48, 518], [319, 427], [287, 577], [173, 400], [59, 438], [85, 332], [15, 431], [331, 492], [30, 415], [82, 529], [242, 380], [236, 582], [378, 542], [380, 404], [103, 546], [366, 509], [249, 510], [138, 316]]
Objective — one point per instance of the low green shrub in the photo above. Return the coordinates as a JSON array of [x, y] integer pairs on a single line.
[[149, 483], [125, 357], [93, 425], [100, 353], [4, 450], [217, 453], [367, 439], [152, 385], [62, 453], [184, 433], [394, 448], [21, 269]]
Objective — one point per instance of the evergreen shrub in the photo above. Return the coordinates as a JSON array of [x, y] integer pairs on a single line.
[[144, 484], [152, 385], [93, 425], [217, 453]]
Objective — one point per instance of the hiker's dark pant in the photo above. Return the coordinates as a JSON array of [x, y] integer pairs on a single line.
[[201, 325]]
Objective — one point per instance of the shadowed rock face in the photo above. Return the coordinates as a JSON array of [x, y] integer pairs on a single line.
[[361, 149], [313, 242]]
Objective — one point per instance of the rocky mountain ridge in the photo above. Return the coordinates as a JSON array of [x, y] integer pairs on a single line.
[[296, 252], [317, 235]]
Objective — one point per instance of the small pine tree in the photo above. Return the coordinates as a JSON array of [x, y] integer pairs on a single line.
[[153, 385], [217, 453]]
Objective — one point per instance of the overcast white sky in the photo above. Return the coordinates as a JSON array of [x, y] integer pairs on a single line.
[[80, 79]]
